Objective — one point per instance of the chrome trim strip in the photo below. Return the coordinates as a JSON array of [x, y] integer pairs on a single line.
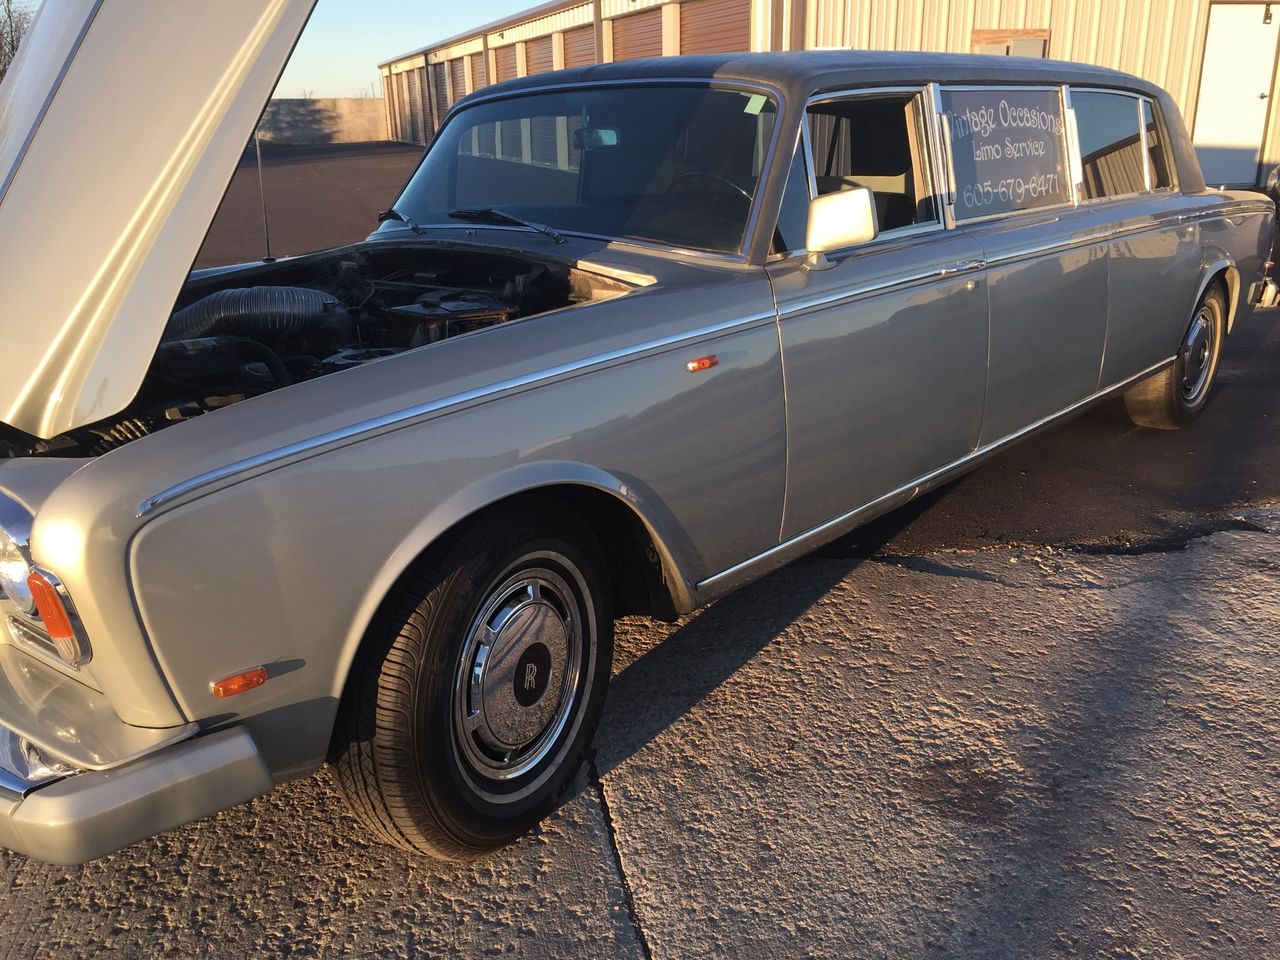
[[786, 311], [422, 411], [1044, 249], [815, 533]]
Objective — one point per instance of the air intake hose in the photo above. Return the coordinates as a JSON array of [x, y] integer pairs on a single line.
[[256, 312]]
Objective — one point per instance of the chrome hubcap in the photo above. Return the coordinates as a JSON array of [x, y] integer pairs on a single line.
[[1197, 356], [518, 675]]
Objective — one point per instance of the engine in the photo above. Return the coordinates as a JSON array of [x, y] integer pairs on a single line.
[[287, 323]]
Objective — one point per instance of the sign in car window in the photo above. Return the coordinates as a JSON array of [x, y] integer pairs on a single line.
[[1008, 150]]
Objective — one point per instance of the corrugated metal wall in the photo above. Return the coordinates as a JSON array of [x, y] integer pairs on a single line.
[[715, 26], [580, 47], [1161, 40], [639, 35]]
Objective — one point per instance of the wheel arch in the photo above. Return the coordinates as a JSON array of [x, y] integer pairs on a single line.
[[643, 552], [1225, 272]]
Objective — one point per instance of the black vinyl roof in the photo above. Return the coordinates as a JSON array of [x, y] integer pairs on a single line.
[[798, 74]]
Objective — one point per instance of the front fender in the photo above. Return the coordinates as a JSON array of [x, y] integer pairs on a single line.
[[668, 537]]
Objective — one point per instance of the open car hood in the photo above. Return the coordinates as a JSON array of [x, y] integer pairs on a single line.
[[121, 124]]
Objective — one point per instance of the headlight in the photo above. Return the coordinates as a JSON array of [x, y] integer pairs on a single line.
[[14, 571]]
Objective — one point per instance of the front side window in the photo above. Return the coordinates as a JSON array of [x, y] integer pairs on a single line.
[[878, 142], [676, 165], [1111, 155], [1008, 150]]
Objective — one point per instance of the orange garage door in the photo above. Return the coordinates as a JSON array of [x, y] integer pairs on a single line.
[[580, 47], [478, 78], [458, 77], [537, 55], [639, 35], [715, 26], [506, 62]]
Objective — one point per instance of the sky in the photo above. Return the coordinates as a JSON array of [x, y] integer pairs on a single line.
[[345, 40]]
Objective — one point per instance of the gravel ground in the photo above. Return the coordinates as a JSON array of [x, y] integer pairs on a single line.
[[1014, 751]]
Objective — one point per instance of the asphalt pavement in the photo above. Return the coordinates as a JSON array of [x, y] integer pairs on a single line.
[[1032, 715]]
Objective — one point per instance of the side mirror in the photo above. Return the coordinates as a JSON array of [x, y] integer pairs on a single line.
[[1272, 188], [839, 220]]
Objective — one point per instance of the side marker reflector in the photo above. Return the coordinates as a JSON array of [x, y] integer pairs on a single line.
[[702, 363], [239, 682]]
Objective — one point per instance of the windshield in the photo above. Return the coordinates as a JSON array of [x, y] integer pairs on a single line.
[[676, 165]]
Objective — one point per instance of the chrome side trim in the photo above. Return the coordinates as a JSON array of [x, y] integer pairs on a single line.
[[1029, 253], [423, 411], [788, 310], [1044, 249], [800, 543]]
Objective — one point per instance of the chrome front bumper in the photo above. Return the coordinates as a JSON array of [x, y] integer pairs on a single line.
[[68, 819]]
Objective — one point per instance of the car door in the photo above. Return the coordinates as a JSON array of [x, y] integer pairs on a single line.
[[1154, 256], [1046, 258], [885, 352]]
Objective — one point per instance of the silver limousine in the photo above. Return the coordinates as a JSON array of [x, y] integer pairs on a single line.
[[631, 336]]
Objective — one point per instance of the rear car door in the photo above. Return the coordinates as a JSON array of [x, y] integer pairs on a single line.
[[1154, 268], [1046, 258], [884, 353]]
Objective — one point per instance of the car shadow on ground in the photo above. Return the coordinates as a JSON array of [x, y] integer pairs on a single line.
[[669, 679]]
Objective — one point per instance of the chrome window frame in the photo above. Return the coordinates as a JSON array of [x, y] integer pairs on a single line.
[[932, 174], [799, 145], [1170, 164], [1137, 98], [752, 225], [1069, 150]]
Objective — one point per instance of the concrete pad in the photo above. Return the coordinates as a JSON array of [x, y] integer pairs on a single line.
[[292, 875], [1009, 753], [1015, 752]]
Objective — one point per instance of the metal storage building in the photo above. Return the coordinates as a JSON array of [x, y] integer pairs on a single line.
[[1217, 57]]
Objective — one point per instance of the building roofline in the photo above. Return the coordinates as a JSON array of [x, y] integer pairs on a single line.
[[515, 19]]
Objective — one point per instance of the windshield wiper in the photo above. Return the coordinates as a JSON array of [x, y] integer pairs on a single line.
[[490, 215], [391, 213]]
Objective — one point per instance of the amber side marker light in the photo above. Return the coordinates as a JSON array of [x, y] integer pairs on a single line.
[[57, 623], [702, 363], [239, 682]]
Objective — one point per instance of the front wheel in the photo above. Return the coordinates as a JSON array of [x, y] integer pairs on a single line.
[[1179, 393], [479, 686]]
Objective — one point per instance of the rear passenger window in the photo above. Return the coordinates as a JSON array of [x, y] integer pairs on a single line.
[[1008, 149], [1157, 155], [1111, 154], [878, 142]]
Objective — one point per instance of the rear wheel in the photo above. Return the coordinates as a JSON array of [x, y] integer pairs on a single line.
[[1179, 393], [480, 686]]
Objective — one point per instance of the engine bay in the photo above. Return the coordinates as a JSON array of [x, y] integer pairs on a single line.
[[239, 334]]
